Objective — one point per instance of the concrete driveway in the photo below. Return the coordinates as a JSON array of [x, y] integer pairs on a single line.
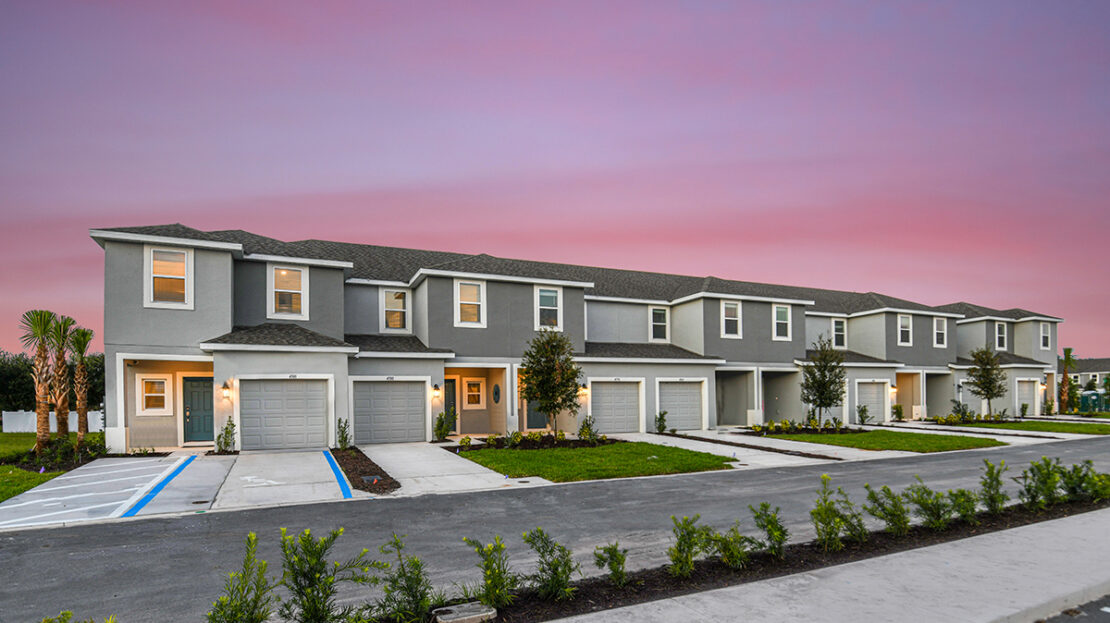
[[279, 478], [424, 468]]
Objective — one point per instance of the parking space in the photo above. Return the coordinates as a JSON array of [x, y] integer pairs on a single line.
[[276, 478], [424, 468]]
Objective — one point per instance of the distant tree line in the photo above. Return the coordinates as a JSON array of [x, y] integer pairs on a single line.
[[17, 387]]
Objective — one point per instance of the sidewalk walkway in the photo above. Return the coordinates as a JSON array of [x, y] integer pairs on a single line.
[[837, 452], [424, 468], [745, 458], [1015, 437], [1013, 575]]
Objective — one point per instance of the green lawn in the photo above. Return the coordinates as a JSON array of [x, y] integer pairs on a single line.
[[618, 460], [14, 481], [892, 440], [21, 442], [1048, 427]]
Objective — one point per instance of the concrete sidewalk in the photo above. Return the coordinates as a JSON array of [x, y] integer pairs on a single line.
[[837, 452], [1010, 436], [424, 468], [746, 458], [1012, 575]]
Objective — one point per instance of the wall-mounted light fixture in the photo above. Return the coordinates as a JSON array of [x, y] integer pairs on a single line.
[[435, 391], [227, 390]]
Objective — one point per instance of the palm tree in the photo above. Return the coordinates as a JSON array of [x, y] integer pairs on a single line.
[[1067, 364], [79, 346], [60, 334], [35, 325]]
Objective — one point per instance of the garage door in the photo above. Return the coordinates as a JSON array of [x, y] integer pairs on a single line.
[[283, 414], [615, 407], [389, 411], [682, 402], [1027, 394], [874, 396]]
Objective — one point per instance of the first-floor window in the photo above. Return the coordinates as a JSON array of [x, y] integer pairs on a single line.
[[154, 395], [840, 333], [659, 323], [940, 332], [474, 393]]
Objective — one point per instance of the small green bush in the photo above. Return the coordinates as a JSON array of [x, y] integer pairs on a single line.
[[498, 580], [661, 422], [1040, 484], [248, 596], [465, 442], [730, 547], [888, 507], [66, 616], [862, 415], [612, 558], [313, 581], [225, 441], [990, 487], [899, 413], [1081, 483], [855, 529], [343, 434], [587, 430], [555, 568], [690, 541], [827, 521], [775, 533], [933, 507], [965, 504], [515, 438], [445, 424], [407, 593]]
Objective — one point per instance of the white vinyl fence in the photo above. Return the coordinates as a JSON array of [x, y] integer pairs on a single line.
[[24, 422]]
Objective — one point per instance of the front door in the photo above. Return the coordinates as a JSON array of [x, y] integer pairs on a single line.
[[197, 394], [450, 400]]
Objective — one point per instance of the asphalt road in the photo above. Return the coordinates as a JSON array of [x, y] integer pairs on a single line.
[[171, 569]]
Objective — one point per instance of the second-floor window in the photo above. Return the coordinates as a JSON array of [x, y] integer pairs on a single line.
[[780, 315], [470, 303], [169, 278], [395, 311], [905, 330], [839, 333], [731, 326], [288, 287], [1000, 336], [659, 325], [1046, 336], [940, 332], [549, 308]]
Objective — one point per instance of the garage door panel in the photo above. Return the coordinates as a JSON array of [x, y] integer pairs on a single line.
[[683, 404], [285, 413], [390, 411], [615, 407], [874, 396]]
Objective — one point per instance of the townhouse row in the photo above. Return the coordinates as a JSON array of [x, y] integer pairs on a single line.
[[286, 338]]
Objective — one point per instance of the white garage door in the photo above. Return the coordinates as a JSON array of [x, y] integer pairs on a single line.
[[283, 413], [389, 411], [615, 407], [1027, 394], [682, 402], [874, 396]]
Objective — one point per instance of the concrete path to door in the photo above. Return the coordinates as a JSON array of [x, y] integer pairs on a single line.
[[745, 458], [424, 468], [773, 443], [279, 478]]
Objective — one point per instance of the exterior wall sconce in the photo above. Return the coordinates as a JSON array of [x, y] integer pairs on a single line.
[[435, 391], [226, 390]]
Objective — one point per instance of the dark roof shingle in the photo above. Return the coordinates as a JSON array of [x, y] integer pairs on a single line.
[[623, 350], [851, 356], [391, 344], [276, 334]]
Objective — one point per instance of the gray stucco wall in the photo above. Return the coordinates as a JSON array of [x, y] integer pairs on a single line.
[[862, 375], [360, 309], [818, 326], [735, 397], [782, 396], [867, 335], [652, 372], [127, 322], [617, 322], [146, 431], [940, 391], [1010, 400], [922, 352], [688, 325], [510, 319], [756, 345], [325, 298], [420, 311], [1027, 341]]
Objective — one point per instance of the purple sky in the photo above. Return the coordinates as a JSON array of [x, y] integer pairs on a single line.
[[934, 151]]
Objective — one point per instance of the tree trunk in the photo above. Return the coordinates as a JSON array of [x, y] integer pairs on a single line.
[[41, 375], [990, 409], [81, 392], [61, 395]]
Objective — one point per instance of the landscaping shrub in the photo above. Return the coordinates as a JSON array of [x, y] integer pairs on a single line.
[[775, 533], [1024, 410], [730, 547], [65, 616], [248, 596], [1082, 483], [534, 436], [445, 424], [661, 422], [513, 440], [408, 596], [690, 541], [465, 442], [587, 431], [498, 581], [965, 504], [556, 566], [888, 507], [612, 558], [899, 413], [343, 434], [827, 521], [225, 441], [933, 507], [855, 529], [313, 581], [990, 487], [1040, 484], [862, 415]]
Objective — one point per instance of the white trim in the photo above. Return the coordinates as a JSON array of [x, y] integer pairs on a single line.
[[739, 335], [832, 331], [1043, 334], [825, 314], [385, 354], [640, 360], [101, 234], [377, 282], [739, 297], [898, 328], [558, 307], [482, 393], [167, 394], [329, 422], [116, 436], [272, 348], [271, 304], [378, 379], [148, 278], [1035, 408], [727, 368], [944, 332], [618, 379], [407, 330], [181, 406], [1001, 319], [886, 395], [620, 299], [482, 304], [848, 364], [465, 276], [306, 261], [1005, 336], [919, 312], [585, 322], [775, 322], [651, 324], [704, 394]]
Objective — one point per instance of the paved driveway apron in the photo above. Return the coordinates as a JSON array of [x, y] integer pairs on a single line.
[[275, 478]]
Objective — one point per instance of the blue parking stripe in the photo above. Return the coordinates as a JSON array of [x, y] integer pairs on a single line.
[[157, 488], [343, 486]]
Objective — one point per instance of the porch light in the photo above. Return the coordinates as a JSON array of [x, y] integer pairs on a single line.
[[435, 391], [227, 390]]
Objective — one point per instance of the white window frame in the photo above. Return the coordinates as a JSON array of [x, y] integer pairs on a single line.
[[271, 304], [832, 332], [775, 322], [1004, 335], [408, 310], [1075, 378], [481, 380], [898, 328], [943, 332], [1046, 332], [558, 307], [1094, 375], [148, 278], [739, 335], [482, 304], [651, 323], [167, 409]]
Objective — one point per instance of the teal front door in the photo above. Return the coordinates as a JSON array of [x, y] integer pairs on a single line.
[[197, 395], [535, 419]]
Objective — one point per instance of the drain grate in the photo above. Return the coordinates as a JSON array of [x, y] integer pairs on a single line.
[[201, 501]]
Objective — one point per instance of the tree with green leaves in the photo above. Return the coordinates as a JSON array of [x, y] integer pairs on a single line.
[[1067, 364], [823, 377], [60, 333], [549, 375], [17, 388], [35, 326], [79, 347], [986, 379]]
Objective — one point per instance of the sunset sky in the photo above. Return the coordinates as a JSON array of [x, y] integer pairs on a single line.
[[935, 151]]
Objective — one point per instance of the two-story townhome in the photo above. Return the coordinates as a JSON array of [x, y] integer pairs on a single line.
[[285, 339], [1097, 369], [1025, 343]]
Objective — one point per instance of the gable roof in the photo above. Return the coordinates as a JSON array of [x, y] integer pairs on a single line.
[[626, 350], [1086, 366], [972, 312], [275, 336]]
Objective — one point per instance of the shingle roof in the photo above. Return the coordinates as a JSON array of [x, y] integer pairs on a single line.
[[640, 351], [1006, 359], [851, 356], [276, 334], [391, 344], [1088, 365], [978, 311]]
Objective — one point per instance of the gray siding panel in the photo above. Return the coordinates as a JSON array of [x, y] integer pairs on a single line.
[[756, 345], [618, 322], [325, 298], [922, 352], [687, 328], [360, 309]]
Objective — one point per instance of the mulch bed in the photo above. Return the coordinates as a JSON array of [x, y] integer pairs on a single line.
[[545, 442], [216, 453], [356, 465], [752, 446], [595, 594]]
